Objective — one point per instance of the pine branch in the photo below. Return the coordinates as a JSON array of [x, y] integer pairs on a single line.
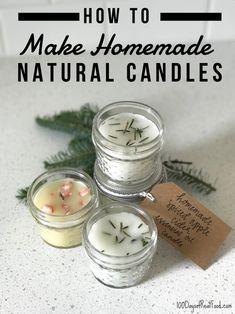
[[82, 136], [22, 195], [70, 121], [181, 162], [78, 155], [183, 172]]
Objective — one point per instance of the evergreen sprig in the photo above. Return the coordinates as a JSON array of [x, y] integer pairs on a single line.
[[74, 121], [22, 195], [78, 155], [80, 152], [184, 172]]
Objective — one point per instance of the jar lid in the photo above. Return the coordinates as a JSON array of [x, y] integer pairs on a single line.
[[130, 193]]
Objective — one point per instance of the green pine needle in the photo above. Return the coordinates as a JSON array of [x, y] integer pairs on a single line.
[[78, 155], [22, 195], [82, 136], [70, 121], [183, 172], [80, 152]]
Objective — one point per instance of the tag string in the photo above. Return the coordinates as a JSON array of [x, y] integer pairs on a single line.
[[149, 196]]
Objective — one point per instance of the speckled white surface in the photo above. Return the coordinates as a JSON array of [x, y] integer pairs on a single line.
[[200, 120]]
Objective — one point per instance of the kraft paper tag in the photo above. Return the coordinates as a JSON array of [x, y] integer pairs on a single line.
[[185, 223]]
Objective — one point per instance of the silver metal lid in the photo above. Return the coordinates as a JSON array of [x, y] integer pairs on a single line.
[[126, 195]]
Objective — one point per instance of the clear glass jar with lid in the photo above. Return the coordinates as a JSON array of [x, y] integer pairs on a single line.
[[128, 137], [120, 240], [61, 200]]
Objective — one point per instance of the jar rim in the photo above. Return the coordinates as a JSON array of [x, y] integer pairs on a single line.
[[126, 192], [125, 103], [136, 209], [63, 170]]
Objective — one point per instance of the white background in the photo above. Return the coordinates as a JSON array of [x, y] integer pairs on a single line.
[[14, 34]]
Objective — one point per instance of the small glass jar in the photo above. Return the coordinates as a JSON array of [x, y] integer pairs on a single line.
[[125, 170], [62, 231], [120, 271]]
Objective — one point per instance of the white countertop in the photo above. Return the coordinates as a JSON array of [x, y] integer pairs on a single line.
[[200, 122]]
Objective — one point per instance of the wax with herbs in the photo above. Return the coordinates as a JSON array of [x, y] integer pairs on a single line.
[[130, 134], [119, 234]]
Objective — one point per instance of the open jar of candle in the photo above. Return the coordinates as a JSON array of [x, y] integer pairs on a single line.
[[60, 201], [128, 137], [120, 240]]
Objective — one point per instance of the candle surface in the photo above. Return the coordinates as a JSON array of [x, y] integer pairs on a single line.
[[119, 234], [62, 197], [128, 129]]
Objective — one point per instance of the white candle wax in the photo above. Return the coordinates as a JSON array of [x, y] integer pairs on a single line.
[[128, 129], [119, 234], [120, 241], [130, 133], [62, 198]]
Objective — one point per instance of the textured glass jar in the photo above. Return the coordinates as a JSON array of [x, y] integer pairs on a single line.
[[120, 271], [62, 231], [125, 171]]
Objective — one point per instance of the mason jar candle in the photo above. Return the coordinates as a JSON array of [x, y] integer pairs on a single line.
[[120, 240], [60, 201], [128, 137]]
